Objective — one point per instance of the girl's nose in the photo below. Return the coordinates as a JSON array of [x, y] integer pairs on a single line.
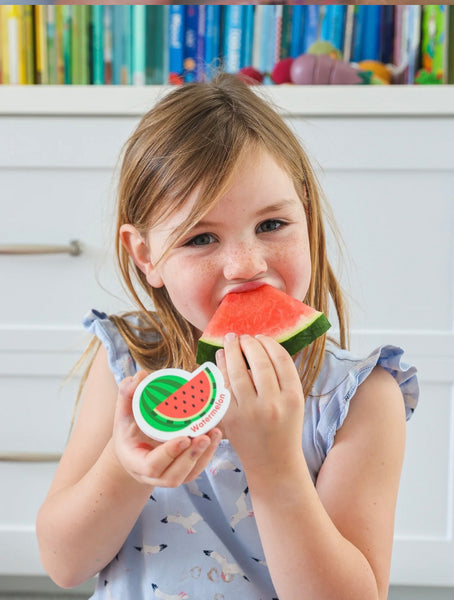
[[244, 262]]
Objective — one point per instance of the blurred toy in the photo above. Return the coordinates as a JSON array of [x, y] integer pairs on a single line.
[[380, 73], [281, 71], [250, 75], [311, 69], [323, 47], [424, 77]]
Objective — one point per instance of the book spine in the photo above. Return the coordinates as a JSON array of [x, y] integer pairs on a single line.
[[190, 43], [358, 33], [107, 44], [278, 16], [311, 26], [434, 40], [4, 69], [371, 33], [248, 35], [40, 44], [413, 41], [386, 34], [232, 34], [51, 46], [212, 38], [348, 33], [28, 43], [117, 43], [268, 46], [60, 60], [200, 44], [76, 71], [156, 42], [14, 52], [97, 45], [84, 45], [138, 41], [450, 45], [176, 43], [67, 33], [297, 34]]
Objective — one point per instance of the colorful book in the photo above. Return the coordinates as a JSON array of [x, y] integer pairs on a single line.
[[386, 34], [370, 43], [212, 39], [138, 44], [333, 25], [248, 35], [348, 33], [358, 33], [450, 43], [59, 44], [156, 64], [97, 44], [107, 43], [27, 48], [311, 26], [41, 72], [434, 36], [200, 71], [232, 15], [51, 44], [176, 43], [190, 43], [413, 42], [297, 33]]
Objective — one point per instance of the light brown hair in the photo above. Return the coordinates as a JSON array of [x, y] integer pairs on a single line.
[[194, 138]]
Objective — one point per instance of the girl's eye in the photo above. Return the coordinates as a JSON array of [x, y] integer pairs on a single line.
[[269, 225], [203, 239]]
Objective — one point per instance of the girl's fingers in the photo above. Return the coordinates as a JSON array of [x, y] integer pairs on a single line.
[[235, 365], [262, 368], [171, 463], [284, 367]]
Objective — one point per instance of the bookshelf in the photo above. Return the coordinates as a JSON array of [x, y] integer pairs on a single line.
[[318, 101]]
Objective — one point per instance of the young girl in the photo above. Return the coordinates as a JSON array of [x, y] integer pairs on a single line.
[[293, 495]]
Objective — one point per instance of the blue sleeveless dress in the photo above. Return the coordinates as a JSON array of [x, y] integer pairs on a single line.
[[200, 540]]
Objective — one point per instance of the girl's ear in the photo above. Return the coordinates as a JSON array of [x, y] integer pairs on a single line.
[[138, 250]]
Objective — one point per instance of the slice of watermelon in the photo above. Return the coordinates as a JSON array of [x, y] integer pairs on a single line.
[[265, 310], [173, 402]]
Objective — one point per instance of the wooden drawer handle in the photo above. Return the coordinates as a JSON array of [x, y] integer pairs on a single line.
[[74, 248], [34, 457]]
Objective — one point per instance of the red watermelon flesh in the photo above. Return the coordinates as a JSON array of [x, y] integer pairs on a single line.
[[265, 310]]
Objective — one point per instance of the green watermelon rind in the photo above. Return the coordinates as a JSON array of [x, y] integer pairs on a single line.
[[296, 341], [164, 424]]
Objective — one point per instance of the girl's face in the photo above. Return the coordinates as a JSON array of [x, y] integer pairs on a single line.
[[256, 234]]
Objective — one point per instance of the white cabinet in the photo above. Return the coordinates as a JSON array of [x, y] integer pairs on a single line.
[[386, 161]]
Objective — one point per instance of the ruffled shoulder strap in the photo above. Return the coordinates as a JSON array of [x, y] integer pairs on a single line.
[[328, 403], [121, 362]]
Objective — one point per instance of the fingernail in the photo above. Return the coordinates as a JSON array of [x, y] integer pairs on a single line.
[[230, 337], [203, 444]]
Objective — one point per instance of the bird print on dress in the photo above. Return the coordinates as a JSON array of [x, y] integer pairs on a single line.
[[222, 464], [151, 549], [243, 510], [186, 522], [163, 596], [228, 570], [193, 488]]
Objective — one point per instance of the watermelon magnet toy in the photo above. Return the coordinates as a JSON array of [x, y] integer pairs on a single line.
[[265, 310], [172, 402]]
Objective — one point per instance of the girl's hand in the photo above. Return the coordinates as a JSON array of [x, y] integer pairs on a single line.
[[167, 464], [264, 422]]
